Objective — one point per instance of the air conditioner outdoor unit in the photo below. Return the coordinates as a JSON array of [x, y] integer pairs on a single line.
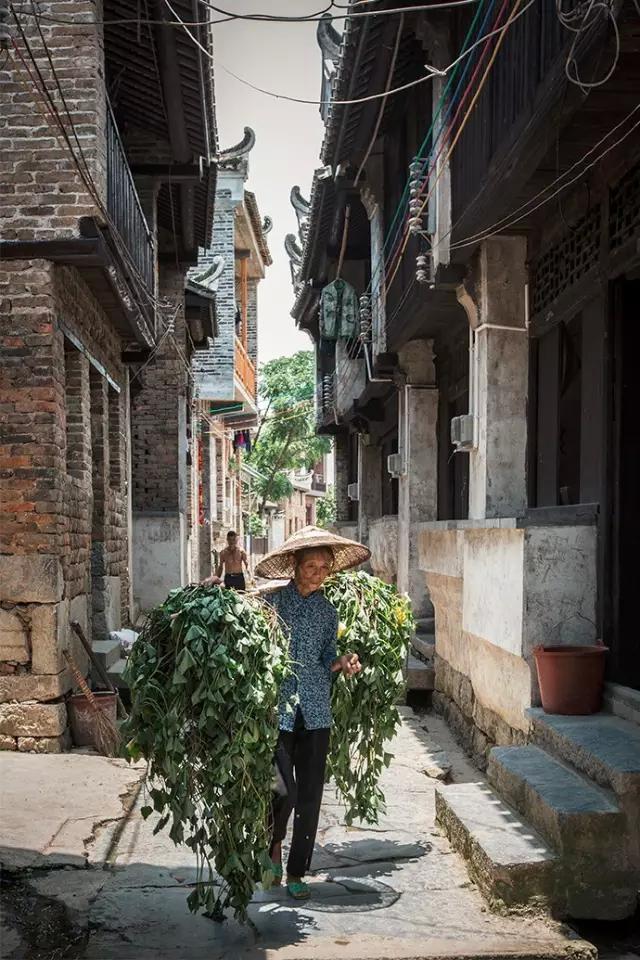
[[395, 465], [462, 432], [353, 491]]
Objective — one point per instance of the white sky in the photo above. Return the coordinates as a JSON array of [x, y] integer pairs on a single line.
[[284, 58]]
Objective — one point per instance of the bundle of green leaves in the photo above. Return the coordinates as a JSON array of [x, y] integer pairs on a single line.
[[204, 677], [376, 622]]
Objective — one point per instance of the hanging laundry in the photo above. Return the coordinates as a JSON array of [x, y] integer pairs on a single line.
[[339, 311]]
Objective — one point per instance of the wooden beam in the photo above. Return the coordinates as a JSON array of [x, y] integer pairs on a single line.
[[191, 172], [171, 86]]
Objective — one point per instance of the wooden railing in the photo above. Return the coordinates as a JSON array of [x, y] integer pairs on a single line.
[[245, 369], [125, 210]]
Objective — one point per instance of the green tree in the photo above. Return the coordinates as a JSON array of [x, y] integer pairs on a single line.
[[326, 509], [286, 438]]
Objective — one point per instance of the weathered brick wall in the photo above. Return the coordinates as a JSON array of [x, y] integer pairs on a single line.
[[155, 410], [40, 184], [48, 486], [214, 368]]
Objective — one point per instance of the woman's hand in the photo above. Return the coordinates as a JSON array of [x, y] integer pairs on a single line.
[[348, 664]]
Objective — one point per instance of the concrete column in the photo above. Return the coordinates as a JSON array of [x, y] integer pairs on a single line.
[[370, 486], [418, 488], [499, 382]]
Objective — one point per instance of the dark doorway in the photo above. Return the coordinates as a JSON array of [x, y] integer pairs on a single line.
[[625, 644]]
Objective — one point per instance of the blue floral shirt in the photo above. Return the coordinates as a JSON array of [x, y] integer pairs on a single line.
[[313, 628]]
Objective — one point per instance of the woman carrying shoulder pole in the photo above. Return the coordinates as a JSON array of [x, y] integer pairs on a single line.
[[308, 557]]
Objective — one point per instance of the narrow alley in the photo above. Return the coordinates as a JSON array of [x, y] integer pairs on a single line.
[[397, 890]]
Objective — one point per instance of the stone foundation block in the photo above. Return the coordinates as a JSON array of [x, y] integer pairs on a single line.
[[32, 579], [33, 719], [31, 687], [49, 636], [8, 743], [45, 744], [14, 639]]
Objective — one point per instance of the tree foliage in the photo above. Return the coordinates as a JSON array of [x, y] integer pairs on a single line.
[[286, 440], [326, 509]]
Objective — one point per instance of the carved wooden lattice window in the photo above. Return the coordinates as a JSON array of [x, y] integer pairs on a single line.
[[624, 208], [562, 265]]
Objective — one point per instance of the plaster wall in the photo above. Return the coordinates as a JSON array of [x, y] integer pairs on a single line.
[[383, 543], [157, 557], [499, 588]]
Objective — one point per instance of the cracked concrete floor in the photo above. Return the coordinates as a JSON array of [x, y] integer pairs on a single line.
[[393, 891]]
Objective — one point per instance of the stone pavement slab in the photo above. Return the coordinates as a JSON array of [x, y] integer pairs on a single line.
[[395, 891], [61, 810]]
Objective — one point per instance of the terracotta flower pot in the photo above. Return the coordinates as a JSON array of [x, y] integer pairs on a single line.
[[571, 678]]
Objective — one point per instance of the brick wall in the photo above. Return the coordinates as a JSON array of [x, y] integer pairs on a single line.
[[40, 184], [59, 506], [155, 393], [214, 368]]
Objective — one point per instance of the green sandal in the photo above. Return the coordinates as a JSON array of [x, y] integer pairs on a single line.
[[298, 889], [277, 874]]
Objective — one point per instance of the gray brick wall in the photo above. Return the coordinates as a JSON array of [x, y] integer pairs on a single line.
[[214, 367]]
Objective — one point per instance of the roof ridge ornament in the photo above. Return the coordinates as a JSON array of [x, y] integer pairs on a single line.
[[329, 40], [230, 158], [209, 276]]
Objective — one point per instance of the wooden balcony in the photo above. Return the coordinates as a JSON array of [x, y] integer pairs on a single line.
[[126, 211], [245, 369]]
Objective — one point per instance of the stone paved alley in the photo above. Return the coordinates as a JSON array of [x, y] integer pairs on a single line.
[[397, 891]]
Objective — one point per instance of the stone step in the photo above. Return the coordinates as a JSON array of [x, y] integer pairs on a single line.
[[420, 676], [509, 861], [604, 747], [581, 822], [106, 652], [424, 647], [426, 625], [115, 674], [622, 701]]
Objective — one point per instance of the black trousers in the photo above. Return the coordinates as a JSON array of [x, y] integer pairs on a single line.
[[304, 755], [235, 580]]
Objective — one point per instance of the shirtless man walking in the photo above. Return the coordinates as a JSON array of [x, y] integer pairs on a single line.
[[232, 561]]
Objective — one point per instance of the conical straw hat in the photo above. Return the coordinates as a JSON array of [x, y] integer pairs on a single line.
[[280, 563]]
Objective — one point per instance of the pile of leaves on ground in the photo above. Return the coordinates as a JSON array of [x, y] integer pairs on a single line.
[[376, 623], [204, 678]]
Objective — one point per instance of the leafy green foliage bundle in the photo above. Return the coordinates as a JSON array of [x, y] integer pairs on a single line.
[[376, 623], [204, 677]]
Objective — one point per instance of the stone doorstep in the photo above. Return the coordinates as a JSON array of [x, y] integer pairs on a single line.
[[106, 652], [509, 861], [575, 816], [420, 676], [623, 702], [115, 674], [604, 747], [424, 647], [426, 626]]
